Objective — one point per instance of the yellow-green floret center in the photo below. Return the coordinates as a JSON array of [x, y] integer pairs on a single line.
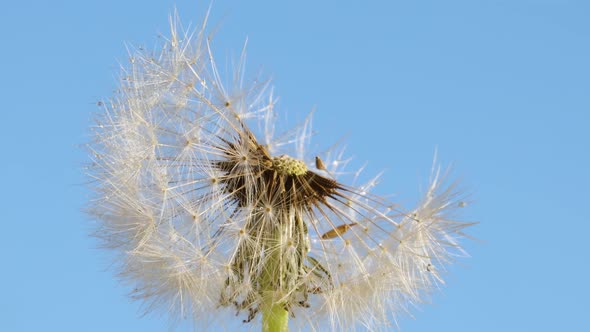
[[288, 166]]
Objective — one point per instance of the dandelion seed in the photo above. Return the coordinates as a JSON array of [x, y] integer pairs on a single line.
[[319, 164], [338, 230], [208, 209]]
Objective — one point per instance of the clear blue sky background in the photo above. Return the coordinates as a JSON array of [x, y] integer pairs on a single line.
[[501, 87]]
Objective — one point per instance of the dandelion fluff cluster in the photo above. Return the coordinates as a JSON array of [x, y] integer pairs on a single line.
[[210, 211]]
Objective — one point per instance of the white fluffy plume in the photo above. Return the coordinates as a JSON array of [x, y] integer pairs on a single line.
[[210, 211]]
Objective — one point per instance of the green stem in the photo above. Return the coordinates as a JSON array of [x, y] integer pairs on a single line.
[[274, 316], [275, 319]]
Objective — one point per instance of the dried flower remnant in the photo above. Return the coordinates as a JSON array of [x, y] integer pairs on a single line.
[[209, 209]]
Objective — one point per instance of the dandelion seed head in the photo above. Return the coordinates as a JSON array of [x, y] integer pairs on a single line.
[[206, 209]]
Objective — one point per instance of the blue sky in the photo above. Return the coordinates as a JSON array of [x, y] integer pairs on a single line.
[[501, 88]]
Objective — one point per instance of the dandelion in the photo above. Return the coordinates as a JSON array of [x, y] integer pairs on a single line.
[[210, 211]]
